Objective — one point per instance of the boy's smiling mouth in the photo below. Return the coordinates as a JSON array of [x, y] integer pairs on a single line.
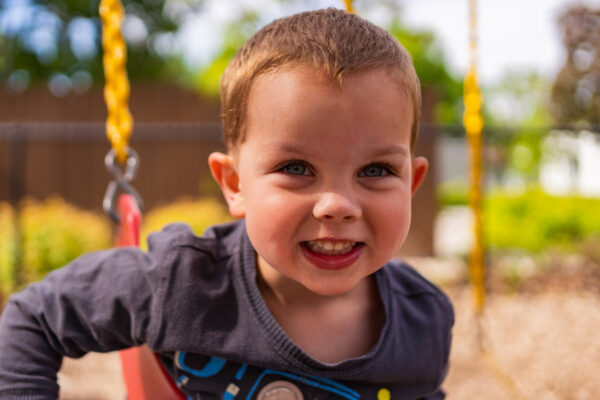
[[332, 254], [330, 247]]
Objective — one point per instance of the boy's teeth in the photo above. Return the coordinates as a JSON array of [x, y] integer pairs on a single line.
[[330, 247]]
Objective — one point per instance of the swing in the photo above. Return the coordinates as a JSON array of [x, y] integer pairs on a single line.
[[144, 376], [473, 123]]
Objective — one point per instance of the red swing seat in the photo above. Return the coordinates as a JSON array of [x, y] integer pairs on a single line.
[[145, 377]]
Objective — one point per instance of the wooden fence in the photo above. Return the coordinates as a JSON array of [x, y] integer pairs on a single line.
[[67, 159]]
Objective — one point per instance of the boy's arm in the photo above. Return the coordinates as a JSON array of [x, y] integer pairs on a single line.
[[100, 302]]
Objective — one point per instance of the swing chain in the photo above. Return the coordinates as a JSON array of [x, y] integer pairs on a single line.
[[121, 180], [473, 122], [119, 122], [349, 7]]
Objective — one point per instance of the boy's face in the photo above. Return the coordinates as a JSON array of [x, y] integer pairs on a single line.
[[324, 177]]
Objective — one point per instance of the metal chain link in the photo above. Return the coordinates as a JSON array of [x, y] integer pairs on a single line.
[[119, 122], [121, 180]]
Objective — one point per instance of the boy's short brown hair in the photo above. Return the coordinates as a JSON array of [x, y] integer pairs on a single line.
[[335, 42]]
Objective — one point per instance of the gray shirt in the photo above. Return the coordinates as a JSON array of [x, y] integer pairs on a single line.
[[194, 301]]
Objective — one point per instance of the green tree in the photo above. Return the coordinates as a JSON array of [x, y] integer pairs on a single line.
[[207, 79], [43, 40], [427, 54], [519, 98], [56, 40], [517, 115], [432, 69]]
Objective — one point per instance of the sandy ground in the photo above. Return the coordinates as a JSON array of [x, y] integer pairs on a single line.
[[92, 377], [546, 345], [543, 342]]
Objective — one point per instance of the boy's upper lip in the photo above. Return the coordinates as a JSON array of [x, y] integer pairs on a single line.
[[332, 239]]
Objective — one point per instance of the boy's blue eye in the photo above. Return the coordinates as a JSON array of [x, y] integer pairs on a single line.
[[295, 168], [374, 171]]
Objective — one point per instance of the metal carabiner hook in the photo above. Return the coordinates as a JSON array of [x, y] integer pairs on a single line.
[[120, 181]]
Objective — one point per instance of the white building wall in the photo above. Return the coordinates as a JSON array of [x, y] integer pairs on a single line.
[[571, 164], [588, 155]]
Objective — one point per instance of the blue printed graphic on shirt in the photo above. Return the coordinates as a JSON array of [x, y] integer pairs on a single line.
[[208, 377]]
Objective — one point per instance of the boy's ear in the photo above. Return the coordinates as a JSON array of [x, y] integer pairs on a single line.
[[419, 169], [223, 171]]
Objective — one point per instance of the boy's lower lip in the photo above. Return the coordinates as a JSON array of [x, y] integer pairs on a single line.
[[332, 262]]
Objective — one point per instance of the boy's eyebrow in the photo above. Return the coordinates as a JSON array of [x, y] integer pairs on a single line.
[[391, 150], [377, 152], [290, 148]]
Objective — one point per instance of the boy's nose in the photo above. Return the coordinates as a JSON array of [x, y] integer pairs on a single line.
[[337, 207]]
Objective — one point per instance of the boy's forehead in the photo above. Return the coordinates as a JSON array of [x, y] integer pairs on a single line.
[[291, 78], [302, 77], [319, 75], [304, 95]]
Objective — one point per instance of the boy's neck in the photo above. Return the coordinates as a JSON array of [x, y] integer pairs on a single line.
[[289, 293], [328, 328]]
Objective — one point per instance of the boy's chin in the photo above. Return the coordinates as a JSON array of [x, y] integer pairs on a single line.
[[325, 283], [333, 289]]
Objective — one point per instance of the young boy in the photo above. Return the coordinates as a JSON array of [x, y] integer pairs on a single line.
[[299, 299]]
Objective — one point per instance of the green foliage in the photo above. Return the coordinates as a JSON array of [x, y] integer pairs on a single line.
[[519, 98], [525, 154], [53, 233], [536, 221], [433, 72], [199, 214], [453, 193], [64, 37], [208, 79], [426, 52], [8, 249]]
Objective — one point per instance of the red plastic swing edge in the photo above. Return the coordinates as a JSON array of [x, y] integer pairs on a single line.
[[144, 375]]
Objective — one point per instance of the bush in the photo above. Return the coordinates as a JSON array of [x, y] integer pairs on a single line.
[[536, 221], [199, 214], [55, 233], [52, 234], [453, 193], [8, 249]]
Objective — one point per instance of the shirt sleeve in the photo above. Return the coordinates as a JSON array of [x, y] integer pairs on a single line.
[[101, 302], [438, 395]]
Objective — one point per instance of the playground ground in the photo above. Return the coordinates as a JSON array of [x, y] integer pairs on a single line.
[[543, 333]]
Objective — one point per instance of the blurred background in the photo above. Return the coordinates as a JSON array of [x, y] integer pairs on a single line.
[[539, 69]]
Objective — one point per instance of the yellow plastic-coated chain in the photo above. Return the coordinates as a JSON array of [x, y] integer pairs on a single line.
[[473, 122], [349, 7], [119, 122]]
